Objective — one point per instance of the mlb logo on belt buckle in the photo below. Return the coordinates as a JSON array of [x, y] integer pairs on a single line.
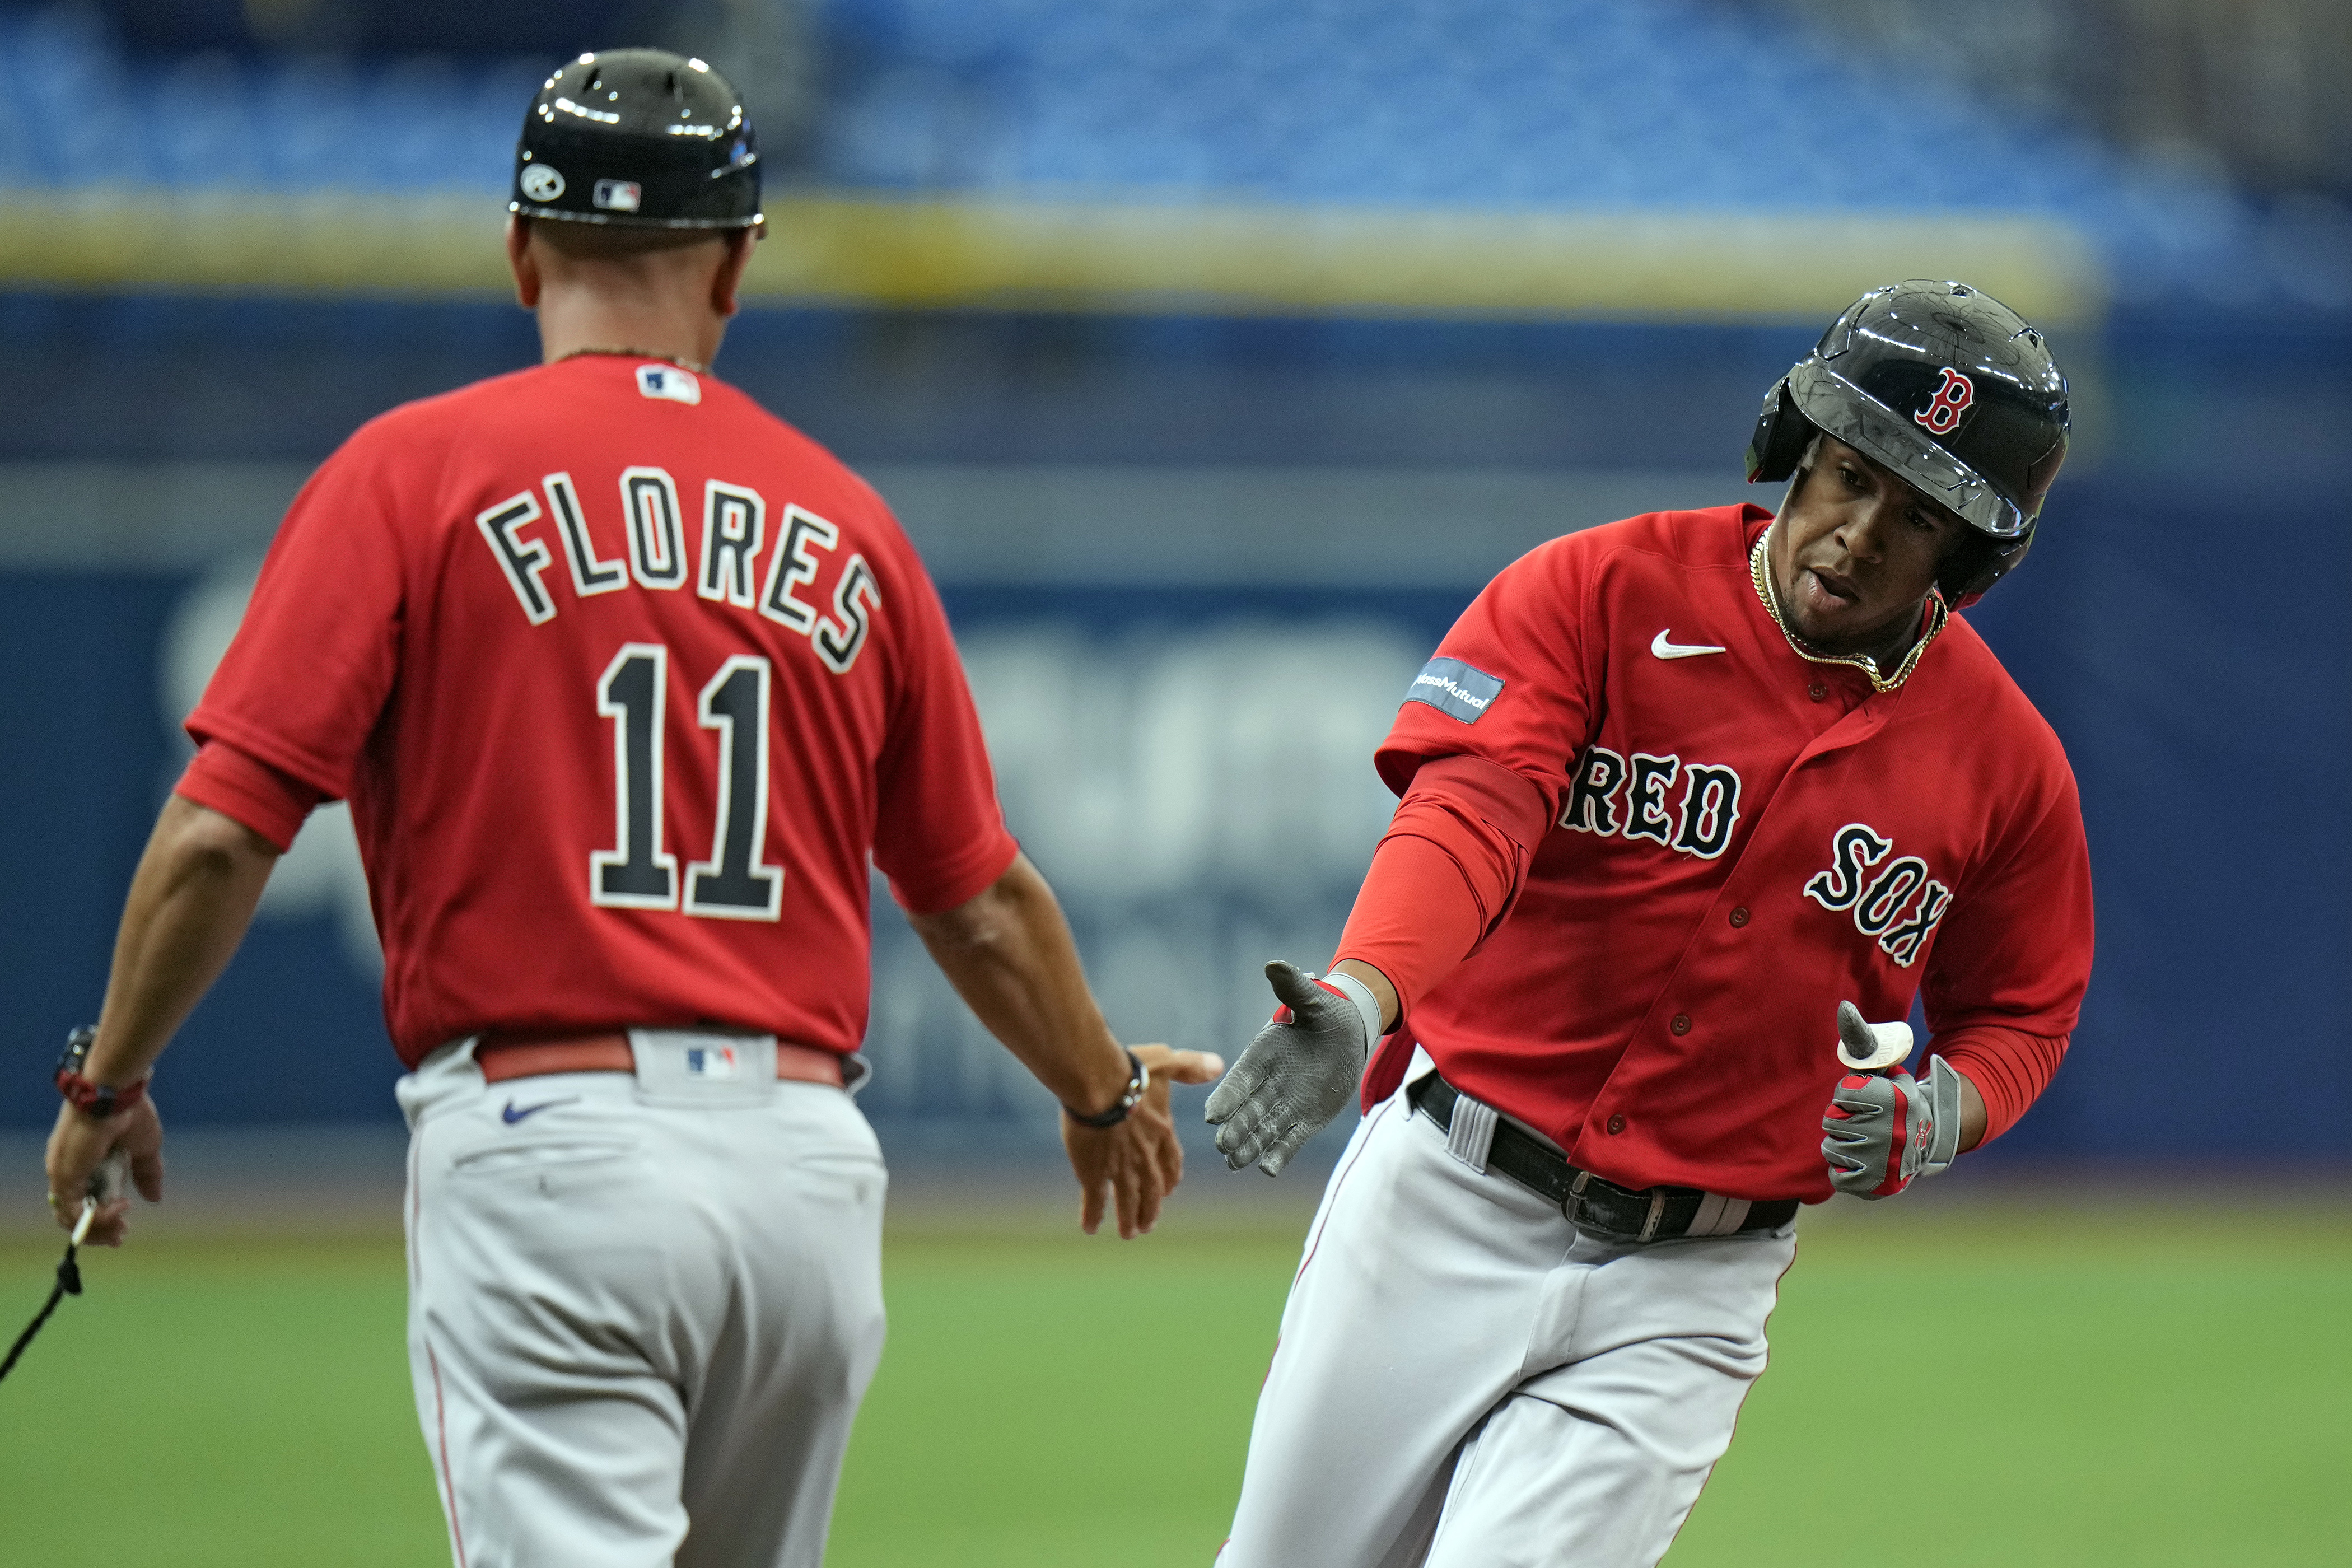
[[713, 1061]]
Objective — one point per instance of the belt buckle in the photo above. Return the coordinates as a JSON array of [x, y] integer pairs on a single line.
[[1573, 1208]]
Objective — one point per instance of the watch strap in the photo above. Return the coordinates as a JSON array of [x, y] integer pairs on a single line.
[[96, 1100]]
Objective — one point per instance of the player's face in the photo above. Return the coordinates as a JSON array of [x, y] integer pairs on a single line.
[[1855, 552]]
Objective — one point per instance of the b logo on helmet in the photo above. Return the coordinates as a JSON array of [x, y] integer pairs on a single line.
[[1951, 400], [539, 183]]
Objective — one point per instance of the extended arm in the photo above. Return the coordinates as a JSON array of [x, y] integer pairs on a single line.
[[1009, 955], [193, 895], [1443, 878]]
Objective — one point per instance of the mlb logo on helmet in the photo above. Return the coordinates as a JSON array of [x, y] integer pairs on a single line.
[[710, 1061], [1951, 400], [619, 195]]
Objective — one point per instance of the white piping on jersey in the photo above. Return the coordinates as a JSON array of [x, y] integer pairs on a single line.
[[1940, 615]]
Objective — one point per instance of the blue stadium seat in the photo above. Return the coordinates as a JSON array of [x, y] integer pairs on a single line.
[[1519, 104]]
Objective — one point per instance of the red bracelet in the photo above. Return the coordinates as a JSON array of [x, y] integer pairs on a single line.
[[100, 1101], [97, 1101]]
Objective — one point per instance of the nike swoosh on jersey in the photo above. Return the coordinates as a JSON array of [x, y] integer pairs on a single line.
[[1664, 650], [514, 1113]]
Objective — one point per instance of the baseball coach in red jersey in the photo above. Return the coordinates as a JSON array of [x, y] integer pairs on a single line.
[[1687, 800], [627, 682]]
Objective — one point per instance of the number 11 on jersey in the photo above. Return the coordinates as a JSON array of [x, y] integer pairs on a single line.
[[734, 883]]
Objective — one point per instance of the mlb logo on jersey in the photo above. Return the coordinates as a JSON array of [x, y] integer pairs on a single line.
[[713, 1061], [668, 381], [619, 195]]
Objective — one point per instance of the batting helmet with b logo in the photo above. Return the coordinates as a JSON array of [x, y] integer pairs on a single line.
[[1951, 390]]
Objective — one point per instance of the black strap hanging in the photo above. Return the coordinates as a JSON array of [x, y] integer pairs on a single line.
[[69, 1284]]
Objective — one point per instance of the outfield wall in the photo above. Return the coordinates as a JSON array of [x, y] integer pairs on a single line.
[[1145, 600]]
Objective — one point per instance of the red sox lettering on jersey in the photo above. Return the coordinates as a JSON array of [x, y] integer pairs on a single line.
[[1744, 837], [1612, 795]]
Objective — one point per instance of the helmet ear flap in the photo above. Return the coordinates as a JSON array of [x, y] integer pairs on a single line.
[[1781, 433], [1979, 562]]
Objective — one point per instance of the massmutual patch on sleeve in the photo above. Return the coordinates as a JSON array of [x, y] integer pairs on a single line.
[[1454, 690]]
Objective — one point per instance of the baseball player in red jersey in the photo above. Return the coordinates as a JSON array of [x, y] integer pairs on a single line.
[[627, 682], [1686, 799]]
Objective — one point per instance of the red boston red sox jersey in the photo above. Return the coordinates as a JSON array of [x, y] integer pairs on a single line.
[[1741, 836], [625, 681]]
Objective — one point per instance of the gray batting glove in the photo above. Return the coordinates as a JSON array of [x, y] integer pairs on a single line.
[[1299, 1072], [1886, 1130]]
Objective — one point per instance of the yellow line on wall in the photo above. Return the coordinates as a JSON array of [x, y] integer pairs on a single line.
[[1108, 256]]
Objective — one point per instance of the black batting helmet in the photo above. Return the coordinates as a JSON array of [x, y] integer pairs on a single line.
[[1951, 390], [638, 137]]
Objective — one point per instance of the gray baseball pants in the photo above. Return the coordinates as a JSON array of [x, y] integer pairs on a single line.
[[1463, 1381], [642, 1308]]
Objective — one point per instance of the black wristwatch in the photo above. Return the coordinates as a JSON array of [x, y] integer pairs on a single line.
[[1139, 1079], [96, 1100]]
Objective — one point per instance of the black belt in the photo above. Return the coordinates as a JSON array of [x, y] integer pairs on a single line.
[[1601, 1209]]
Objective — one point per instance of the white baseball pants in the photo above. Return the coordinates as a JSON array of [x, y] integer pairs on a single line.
[[1463, 1381], [642, 1309]]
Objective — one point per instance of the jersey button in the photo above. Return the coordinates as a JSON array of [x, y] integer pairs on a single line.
[[1739, 916], [1616, 1124], [1817, 692], [1681, 1024]]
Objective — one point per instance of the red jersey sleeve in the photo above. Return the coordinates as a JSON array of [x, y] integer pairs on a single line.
[[2006, 977], [223, 779], [1444, 874], [939, 833], [305, 680], [2010, 1068], [1512, 682]]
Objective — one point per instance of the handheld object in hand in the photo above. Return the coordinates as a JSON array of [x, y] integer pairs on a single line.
[[109, 1182]]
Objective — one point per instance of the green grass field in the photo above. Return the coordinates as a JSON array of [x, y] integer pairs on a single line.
[[2113, 1385]]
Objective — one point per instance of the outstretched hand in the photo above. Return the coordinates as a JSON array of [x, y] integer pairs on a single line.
[[1131, 1167], [1296, 1075]]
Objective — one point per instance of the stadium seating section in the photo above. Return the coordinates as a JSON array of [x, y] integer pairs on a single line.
[[1490, 105]]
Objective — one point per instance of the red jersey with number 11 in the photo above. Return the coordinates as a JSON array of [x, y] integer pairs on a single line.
[[625, 679]]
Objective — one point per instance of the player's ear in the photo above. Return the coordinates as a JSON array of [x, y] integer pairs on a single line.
[[728, 282], [522, 262]]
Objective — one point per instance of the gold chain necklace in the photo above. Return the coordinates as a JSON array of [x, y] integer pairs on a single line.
[[1759, 572], [699, 368]]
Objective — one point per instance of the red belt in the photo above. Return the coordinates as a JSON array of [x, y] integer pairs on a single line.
[[504, 1056]]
